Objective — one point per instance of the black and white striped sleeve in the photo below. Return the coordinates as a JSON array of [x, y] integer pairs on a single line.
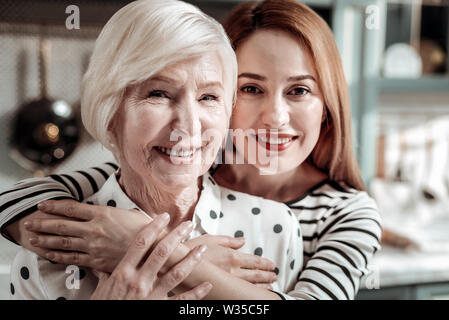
[[24, 196], [346, 243]]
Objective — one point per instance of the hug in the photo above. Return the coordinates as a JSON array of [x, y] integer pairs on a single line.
[[167, 223]]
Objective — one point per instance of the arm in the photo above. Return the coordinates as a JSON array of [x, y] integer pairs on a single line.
[[345, 247], [136, 278], [22, 199], [227, 285], [33, 278], [224, 285]]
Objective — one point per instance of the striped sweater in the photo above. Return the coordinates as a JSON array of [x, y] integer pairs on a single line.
[[340, 226]]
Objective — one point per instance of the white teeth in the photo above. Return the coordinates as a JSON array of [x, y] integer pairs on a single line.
[[275, 140], [177, 153]]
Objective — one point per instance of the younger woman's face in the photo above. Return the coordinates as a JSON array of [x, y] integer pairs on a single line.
[[279, 104]]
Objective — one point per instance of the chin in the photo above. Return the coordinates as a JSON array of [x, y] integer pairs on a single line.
[[279, 165]]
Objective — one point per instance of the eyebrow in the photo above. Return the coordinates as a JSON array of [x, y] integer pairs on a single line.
[[262, 78], [162, 78], [174, 81], [211, 84]]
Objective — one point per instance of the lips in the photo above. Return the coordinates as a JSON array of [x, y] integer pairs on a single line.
[[279, 142]]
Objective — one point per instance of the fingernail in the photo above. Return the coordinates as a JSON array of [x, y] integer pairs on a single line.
[[42, 206], [33, 240], [50, 255], [27, 224], [165, 216]]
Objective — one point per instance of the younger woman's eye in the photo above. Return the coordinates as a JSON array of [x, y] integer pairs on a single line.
[[299, 91], [250, 90], [157, 94]]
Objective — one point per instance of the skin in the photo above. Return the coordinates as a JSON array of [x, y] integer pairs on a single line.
[[267, 99], [137, 276], [188, 98], [277, 92]]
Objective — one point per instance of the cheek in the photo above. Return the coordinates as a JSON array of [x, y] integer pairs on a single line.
[[307, 119], [214, 127], [138, 130]]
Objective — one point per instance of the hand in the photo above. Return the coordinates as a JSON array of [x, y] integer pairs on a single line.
[[91, 236], [137, 277], [223, 253]]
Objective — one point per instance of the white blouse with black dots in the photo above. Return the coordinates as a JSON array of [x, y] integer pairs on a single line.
[[270, 230]]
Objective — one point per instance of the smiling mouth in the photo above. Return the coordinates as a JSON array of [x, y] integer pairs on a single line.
[[178, 152], [275, 143]]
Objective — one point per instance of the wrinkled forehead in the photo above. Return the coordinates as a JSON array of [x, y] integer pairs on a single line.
[[204, 71]]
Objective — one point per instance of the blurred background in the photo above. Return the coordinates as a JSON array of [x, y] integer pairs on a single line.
[[395, 56]]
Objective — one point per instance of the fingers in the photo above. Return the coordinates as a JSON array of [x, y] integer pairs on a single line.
[[143, 242], [69, 208], [76, 258], [165, 248], [230, 242], [256, 276], [197, 293], [56, 226], [224, 241], [181, 271], [59, 243], [250, 261]]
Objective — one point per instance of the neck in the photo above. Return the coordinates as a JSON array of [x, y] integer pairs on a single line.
[[155, 198], [279, 187]]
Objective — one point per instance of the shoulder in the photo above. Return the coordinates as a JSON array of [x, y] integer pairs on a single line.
[[333, 194], [340, 203], [248, 207], [255, 203]]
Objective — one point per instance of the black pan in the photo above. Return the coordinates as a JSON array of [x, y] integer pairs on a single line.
[[45, 130]]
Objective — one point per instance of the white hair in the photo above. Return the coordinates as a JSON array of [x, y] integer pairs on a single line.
[[137, 42]]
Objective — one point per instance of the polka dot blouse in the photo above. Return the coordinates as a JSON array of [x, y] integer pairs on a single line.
[[270, 230]]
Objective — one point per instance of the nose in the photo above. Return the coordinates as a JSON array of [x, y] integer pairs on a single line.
[[187, 122], [275, 113]]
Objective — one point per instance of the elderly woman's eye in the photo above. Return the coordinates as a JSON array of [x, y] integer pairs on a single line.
[[209, 97], [299, 91], [157, 94], [251, 90]]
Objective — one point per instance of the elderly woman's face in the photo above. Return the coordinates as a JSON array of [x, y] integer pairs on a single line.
[[164, 125]]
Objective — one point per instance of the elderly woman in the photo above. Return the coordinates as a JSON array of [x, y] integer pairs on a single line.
[[156, 85]]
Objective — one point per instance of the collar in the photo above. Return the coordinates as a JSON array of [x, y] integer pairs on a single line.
[[208, 211]]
